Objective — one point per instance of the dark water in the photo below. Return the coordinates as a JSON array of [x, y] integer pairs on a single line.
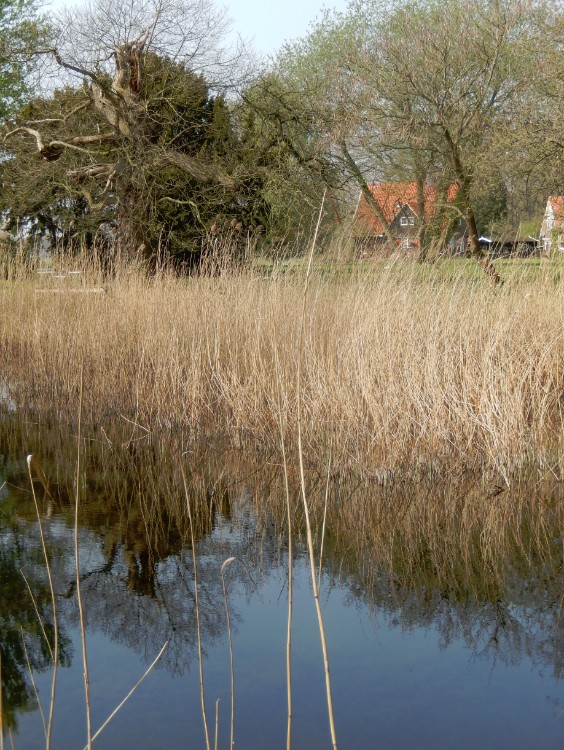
[[413, 665]]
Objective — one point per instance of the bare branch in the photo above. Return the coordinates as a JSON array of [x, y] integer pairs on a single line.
[[95, 171], [54, 149], [205, 173], [51, 120]]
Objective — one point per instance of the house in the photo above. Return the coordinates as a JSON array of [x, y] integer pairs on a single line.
[[552, 227], [400, 207]]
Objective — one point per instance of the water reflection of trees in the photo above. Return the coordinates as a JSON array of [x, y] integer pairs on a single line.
[[22, 641], [481, 567], [136, 570]]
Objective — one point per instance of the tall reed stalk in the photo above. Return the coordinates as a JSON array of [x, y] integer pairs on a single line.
[[86, 676], [290, 598], [324, 523], [311, 553], [231, 668], [200, 656], [1, 706], [129, 694], [54, 648], [290, 558]]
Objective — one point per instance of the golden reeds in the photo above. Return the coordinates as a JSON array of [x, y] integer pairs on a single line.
[[405, 368]]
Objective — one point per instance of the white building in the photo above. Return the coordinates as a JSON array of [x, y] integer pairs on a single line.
[[552, 227]]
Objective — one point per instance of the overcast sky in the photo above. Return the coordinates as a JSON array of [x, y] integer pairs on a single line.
[[269, 22]]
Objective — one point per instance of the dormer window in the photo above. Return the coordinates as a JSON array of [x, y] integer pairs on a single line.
[[404, 221]]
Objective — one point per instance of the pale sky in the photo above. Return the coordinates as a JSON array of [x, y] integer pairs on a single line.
[[272, 22], [269, 22]]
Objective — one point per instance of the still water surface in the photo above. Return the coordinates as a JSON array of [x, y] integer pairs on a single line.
[[410, 668]]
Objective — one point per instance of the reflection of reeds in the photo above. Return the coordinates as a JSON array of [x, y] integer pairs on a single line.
[[460, 532], [54, 648], [462, 542], [405, 369]]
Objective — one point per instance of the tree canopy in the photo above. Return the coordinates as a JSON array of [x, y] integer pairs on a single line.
[[157, 136], [22, 30], [434, 92]]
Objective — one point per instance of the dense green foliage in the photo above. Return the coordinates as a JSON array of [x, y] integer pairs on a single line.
[[20, 33]]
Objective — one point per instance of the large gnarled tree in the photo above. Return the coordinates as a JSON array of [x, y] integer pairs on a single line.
[[144, 135]]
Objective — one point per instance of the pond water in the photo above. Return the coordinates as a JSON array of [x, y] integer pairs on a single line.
[[413, 664]]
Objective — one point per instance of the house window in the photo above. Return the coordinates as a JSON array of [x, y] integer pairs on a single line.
[[407, 221]]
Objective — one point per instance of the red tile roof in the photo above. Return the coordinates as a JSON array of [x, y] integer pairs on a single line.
[[392, 196]]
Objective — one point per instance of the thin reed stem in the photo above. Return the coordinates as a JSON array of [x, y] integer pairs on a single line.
[[232, 671], [54, 649], [290, 600], [1, 706], [200, 657], [290, 561], [32, 678], [326, 503], [37, 614], [77, 574], [128, 696]]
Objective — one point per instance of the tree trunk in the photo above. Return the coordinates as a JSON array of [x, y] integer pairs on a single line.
[[131, 240], [464, 194], [422, 219], [365, 190]]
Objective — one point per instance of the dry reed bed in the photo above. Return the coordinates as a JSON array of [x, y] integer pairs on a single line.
[[398, 370]]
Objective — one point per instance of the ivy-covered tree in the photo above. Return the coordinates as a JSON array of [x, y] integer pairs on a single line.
[[143, 148]]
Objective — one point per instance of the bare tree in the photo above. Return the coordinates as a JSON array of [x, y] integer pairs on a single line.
[[448, 92], [450, 80]]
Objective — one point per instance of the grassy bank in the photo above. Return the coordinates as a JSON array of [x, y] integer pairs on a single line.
[[403, 368]]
